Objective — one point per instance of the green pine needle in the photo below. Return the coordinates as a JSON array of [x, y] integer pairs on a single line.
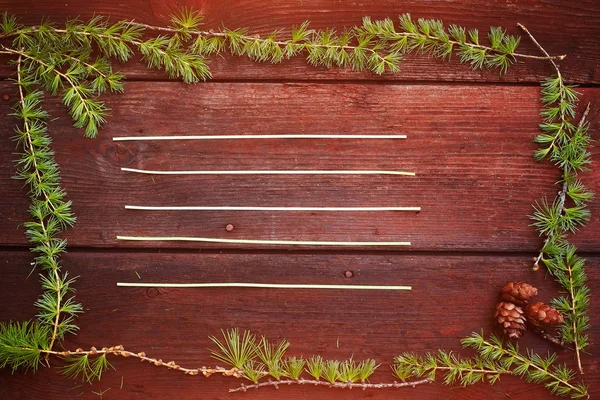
[[85, 368], [331, 370], [294, 367], [253, 371], [315, 367], [272, 356], [21, 345], [235, 350]]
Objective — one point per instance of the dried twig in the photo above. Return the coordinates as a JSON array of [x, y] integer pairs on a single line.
[[120, 351], [337, 385]]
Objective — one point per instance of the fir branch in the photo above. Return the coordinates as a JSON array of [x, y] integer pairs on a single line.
[[21, 345], [429, 36], [549, 219], [116, 41], [101, 68], [113, 41], [466, 371], [566, 145], [85, 64], [531, 367], [374, 45], [52, 213], [322, 48], [494, 359], [336, 385], [87, 112], [569, 271]]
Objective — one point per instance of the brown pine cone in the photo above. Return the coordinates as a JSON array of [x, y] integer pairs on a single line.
[[510, 317], [542, 315], [518, 293]]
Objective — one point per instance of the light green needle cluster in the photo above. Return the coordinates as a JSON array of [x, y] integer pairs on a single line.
[[21, 345], [86, 368], [257, 359]]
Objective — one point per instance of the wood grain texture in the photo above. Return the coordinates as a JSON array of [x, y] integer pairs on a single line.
[[452, 296], [471, 147], [470, 143], [564, 27]]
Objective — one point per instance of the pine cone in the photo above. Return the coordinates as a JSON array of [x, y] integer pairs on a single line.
[[542, 315], [510, 317], [518, 293]]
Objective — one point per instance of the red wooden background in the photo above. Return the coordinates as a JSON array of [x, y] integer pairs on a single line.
[[470, 142]]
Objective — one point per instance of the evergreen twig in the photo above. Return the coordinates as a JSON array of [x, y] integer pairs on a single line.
[[337, 385], [375, 45], [531, 367], [39, 169], [494, 359], [466, 371], [21, 345], [74, 356], [87, 113], [566, 145]]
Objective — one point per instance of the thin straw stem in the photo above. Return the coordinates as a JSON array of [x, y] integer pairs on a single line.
[[270, 172], [253, 241], [223, 137], [262, 285], [244, 208]]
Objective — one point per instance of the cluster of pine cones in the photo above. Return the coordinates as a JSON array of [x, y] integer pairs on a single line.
[[511, 317]]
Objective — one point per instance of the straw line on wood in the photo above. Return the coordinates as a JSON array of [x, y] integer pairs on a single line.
[[228, 137], [250, 208], [255, 241], [270, 172], [263, 285]]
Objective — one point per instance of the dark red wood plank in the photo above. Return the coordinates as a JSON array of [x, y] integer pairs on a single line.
[[452, 296], [471, 147], [562, 26]]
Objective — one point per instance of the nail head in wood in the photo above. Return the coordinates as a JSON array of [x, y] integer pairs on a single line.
[[229, 227], [348, 274]]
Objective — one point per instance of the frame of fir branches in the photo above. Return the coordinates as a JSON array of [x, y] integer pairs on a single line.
[[75, 63]]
